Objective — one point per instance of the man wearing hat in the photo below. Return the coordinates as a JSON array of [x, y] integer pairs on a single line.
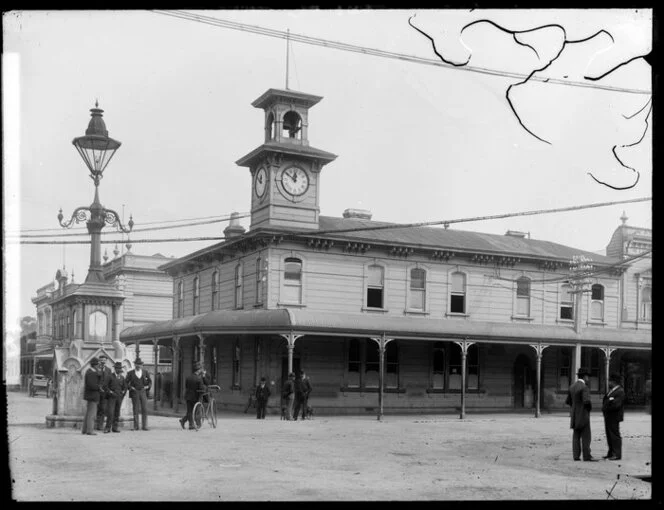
[[193, 388], [302, 390], [102, 408], [138, 383], [612, 408], [116, 391], [91, 395], [578, 397]]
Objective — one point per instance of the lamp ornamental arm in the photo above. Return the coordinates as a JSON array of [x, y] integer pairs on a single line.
[[79, 215], [113, 219]]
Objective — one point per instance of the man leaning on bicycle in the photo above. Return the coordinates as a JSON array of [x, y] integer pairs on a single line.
[[194, 388]]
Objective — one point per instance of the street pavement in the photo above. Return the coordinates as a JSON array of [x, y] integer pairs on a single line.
[[329, 458]]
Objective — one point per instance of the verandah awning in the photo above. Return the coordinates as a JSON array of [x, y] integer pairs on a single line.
[[303, 322]]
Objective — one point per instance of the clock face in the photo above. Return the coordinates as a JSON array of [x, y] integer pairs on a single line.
[[260, 182], [295, 181]]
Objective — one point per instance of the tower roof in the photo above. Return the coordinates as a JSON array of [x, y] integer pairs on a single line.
[[272, 96]]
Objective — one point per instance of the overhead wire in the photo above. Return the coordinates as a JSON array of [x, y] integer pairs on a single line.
[[375, 227], [199, 18]]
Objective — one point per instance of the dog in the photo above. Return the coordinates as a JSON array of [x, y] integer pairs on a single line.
[[310, 413], [284, 416]]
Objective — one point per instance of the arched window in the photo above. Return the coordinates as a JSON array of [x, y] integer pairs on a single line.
[[458, 293], [197, 288], [292, 289], [98, 324], [566, 302], [597, 302], [292, 125], [238, 286], [215, 291], [74, 319], [646, 303], [523, 296], [375, 287], [180, 299], [417, 296]]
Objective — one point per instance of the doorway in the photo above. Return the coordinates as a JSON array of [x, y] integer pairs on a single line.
[[523, 382]]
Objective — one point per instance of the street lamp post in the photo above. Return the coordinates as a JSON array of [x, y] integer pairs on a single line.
[[97, 149]]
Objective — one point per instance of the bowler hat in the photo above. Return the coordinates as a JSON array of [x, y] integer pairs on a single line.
[[582, 372], [102, 355], [94, 361], [197, 365], [138, 361], [118, 364]]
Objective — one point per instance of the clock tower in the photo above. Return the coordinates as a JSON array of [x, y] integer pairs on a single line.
[[285, 169]]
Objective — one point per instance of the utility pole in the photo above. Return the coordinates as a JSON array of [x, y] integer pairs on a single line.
[[581, 268]]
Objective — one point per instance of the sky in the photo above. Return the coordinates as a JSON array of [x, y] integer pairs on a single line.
[[415, 142]]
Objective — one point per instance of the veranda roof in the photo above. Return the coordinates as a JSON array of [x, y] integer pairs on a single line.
[[305, 322]]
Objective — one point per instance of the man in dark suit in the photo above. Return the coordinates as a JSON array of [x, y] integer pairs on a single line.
[[578, 397], [117, 389], [262, 396], [102, 408], [302, 390], [612, 407], [138, 383], [193, 388], [91, 395]]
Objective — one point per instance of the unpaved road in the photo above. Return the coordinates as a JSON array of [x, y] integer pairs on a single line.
[[424, 457]]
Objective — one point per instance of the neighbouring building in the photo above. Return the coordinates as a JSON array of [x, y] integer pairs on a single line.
[[389, 317], [141, 294]]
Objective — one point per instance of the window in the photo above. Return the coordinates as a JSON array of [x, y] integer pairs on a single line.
[[597, 303], [417, 296], [259, 280], [646, 304], [197, 289], [472, 368], [523, 296], [238, 286], [292, 290], [69, 331], [590, 360], [215, 291], [165, 354], [375, 287], [236, 363], [363, 369], [74, 331], [371, 364], [438, 368], [354, 363], [564, 368], [40, 322], [566, 302], [269, 127], [391, 365], [458, 293], [180, 312]]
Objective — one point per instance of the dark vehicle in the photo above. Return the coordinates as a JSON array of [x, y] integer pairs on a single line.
[[40, 383]]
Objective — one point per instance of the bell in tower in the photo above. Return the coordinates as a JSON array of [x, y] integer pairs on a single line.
[[285, 169]]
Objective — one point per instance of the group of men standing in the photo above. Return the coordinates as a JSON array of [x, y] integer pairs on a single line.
[[295, 395], [578, 397], [104, 391]]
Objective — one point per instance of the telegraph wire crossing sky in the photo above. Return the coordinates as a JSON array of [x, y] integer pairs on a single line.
[[416, 141]]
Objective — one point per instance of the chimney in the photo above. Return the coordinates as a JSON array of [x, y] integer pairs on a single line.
[[234, 228], [516, 233], [360, 214]]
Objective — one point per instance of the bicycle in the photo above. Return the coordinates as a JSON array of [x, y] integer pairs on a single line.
[[206, 408]]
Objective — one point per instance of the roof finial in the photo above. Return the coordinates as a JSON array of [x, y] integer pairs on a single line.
[[97, 102], [624, 218]]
